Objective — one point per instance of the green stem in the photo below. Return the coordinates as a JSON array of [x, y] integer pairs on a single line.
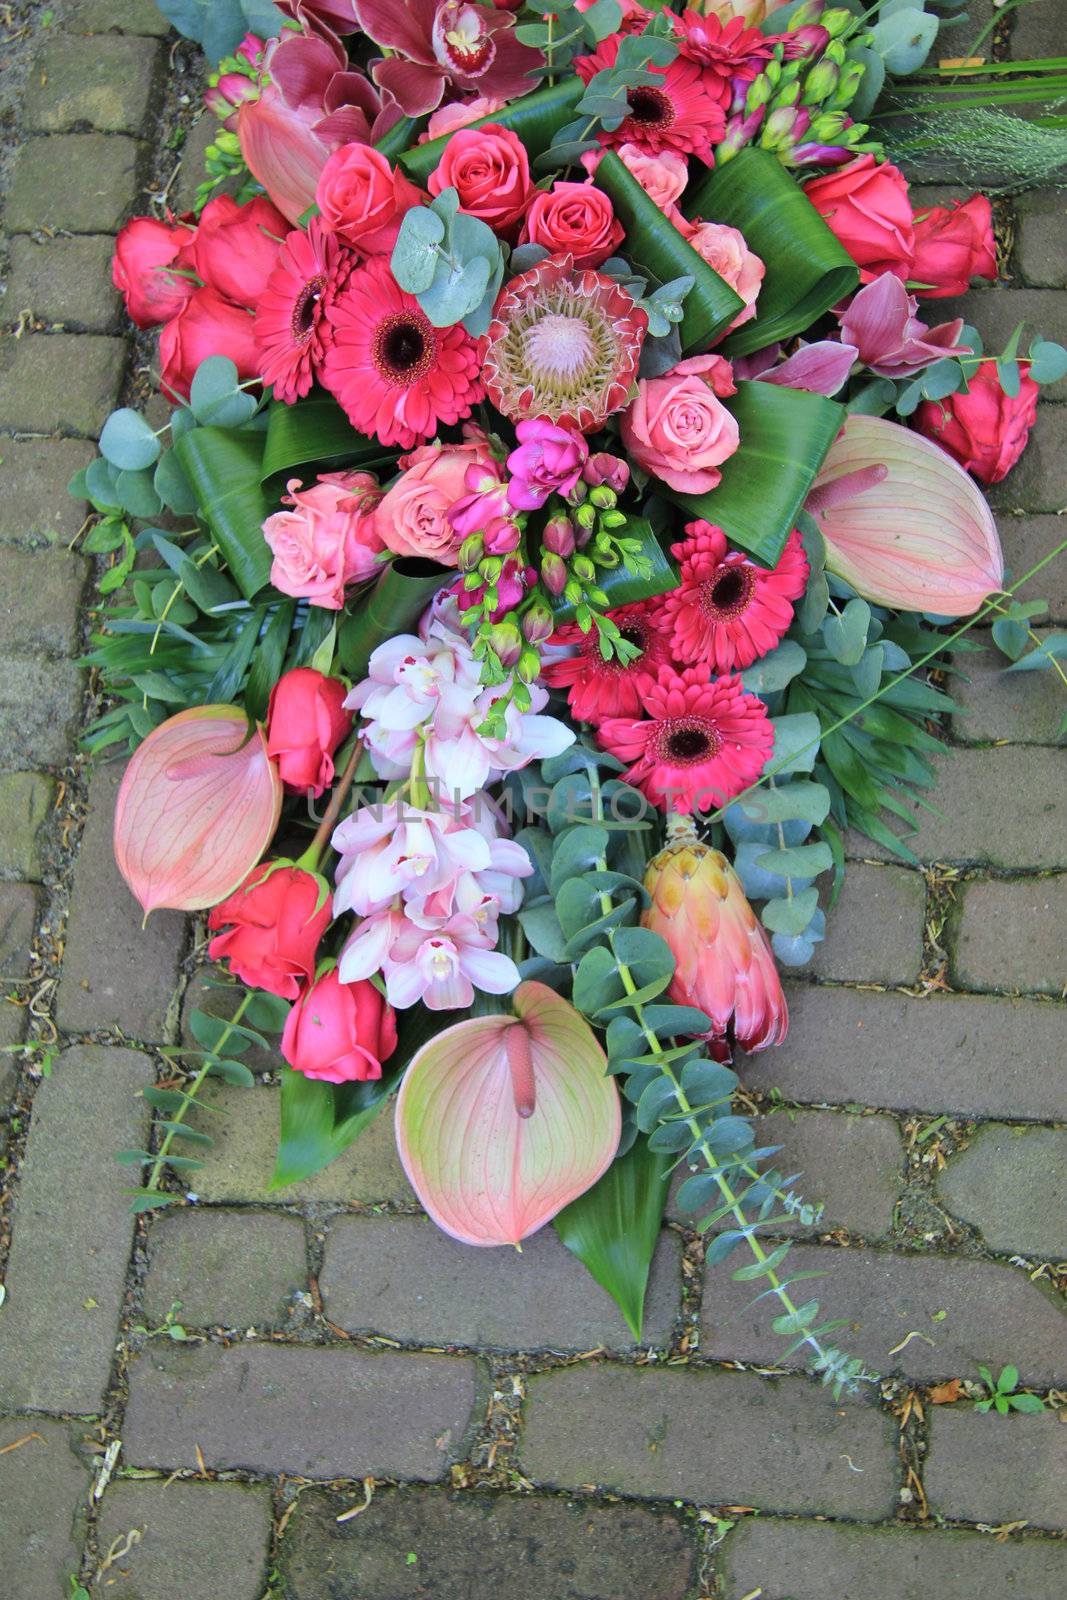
[[156, 1174]]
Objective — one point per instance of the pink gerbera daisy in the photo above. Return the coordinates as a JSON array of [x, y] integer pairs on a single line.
[[292, 330], [684, 110], [395, 374], [597, 688], [726, 611], [731, 49], [702, 742]]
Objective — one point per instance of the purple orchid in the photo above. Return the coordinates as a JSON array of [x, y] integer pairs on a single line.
[[891, 340], [440, 43]]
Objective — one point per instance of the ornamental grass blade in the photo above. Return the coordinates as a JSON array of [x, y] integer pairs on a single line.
[[224, 467], [503, 1120], [808, 271], [903, 523], [785, 435], [314, 433], [197, 807], [655, 246], [614, 1227], [536, 118]]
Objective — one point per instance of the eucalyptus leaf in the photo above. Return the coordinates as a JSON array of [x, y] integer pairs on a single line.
[[128, 442]]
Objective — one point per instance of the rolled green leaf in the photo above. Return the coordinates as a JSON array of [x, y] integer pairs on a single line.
[[654, 245], [614, 1227], [785, 436], [315, 432], [393, 144], [224, 469], [536, 118], [621, 584], [392, 606], [808, 271]]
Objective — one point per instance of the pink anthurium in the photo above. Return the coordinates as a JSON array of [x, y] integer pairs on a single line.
[[502, 1121], [903, 524], [197, 807]]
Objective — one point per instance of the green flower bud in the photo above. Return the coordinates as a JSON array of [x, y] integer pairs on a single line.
[[585, 516], [573, 592], [826, 127], [613, 519], [489, 568], [528, 666], [471, 552], [505, 638], [788, 94], [603, 497], [837, 21], [583, 568], [820, 83]]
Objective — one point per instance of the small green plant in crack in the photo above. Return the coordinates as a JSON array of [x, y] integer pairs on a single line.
[[170, 1326], [1002, 1395]]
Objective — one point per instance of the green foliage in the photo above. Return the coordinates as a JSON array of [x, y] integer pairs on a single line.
[[1002, 1396], [586, 912], [220, 25], [614, 1227], [451, 262]]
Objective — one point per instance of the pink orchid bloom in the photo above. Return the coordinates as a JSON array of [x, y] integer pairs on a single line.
[[443, 967], [880, 322], [436, 43], [326, 19], [310, 104], [402, 849], [821, 368]]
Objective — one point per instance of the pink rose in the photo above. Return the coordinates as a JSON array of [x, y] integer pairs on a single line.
[[449, 119], [865, 205], [306, 721], [362, 198], [575, 219], [413, 517], [725, 251], [236, 247], [663, 177], [144, 250], [677, 430], [339, 1032], [489, 170], [953, 244], [328, 540], [985, 429], [207, 325], [549, 459]]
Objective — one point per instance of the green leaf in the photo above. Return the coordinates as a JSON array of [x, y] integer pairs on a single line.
[[128, 442], [541, 927], [267, 1011], [1048, 362], [267, 663], [808, 271], [791, 916], [802, 861], [534, 117], [903, 39], [216, 397], [776, 669], [399, 596], [614, 1228], [415, 255], [224, 469], [232, 1072], [313, 1131], [791, 802], [1053, 647], [785, 436], [654, 244], [1029, 1403], [314, 432]]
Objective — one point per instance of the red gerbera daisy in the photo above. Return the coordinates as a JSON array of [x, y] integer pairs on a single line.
[[597, 688], [292, 331], [727, 611], [702, 743], [731, 49], [395, 374], [684, 110]]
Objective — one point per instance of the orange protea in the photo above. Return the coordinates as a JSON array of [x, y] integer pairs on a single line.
[[724, 962]]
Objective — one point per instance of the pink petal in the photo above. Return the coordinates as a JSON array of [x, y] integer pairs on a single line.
[[820, 368], [416, 89], [197, 807], [485, 1172], [407, 26]]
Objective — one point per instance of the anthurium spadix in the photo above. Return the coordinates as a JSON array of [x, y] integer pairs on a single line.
[[197, 807], [502, 1121], [903, 523]]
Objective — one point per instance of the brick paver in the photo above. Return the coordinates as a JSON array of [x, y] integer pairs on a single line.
[[870, 1083]]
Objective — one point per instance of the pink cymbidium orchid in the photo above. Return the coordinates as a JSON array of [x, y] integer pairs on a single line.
[[880, 322], [435, 44]]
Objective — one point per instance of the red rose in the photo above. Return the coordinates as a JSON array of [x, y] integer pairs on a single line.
[[144, 250], [206, 326], [339, 1032], [363, 199], [865, 205], [306, 721], [489, 170], [271, 929], [236, 247], [953, 244], [576, 219], [985, 429]]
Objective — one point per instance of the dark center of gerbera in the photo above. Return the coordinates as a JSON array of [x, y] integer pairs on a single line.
[[306, 307], [651, 108], [728, 594], [634, 633], [687, 742], [404, 348]]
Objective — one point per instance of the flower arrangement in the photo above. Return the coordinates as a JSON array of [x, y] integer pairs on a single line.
[[558, 583]]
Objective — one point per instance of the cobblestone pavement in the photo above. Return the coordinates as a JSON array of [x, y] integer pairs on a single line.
[[488, 1416]]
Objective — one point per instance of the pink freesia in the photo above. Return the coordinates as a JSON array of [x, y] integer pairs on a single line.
[[502, 1121], [196, 809], [436, 43], [310, 104], [549, 460], [880, 322], [903, 524]]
